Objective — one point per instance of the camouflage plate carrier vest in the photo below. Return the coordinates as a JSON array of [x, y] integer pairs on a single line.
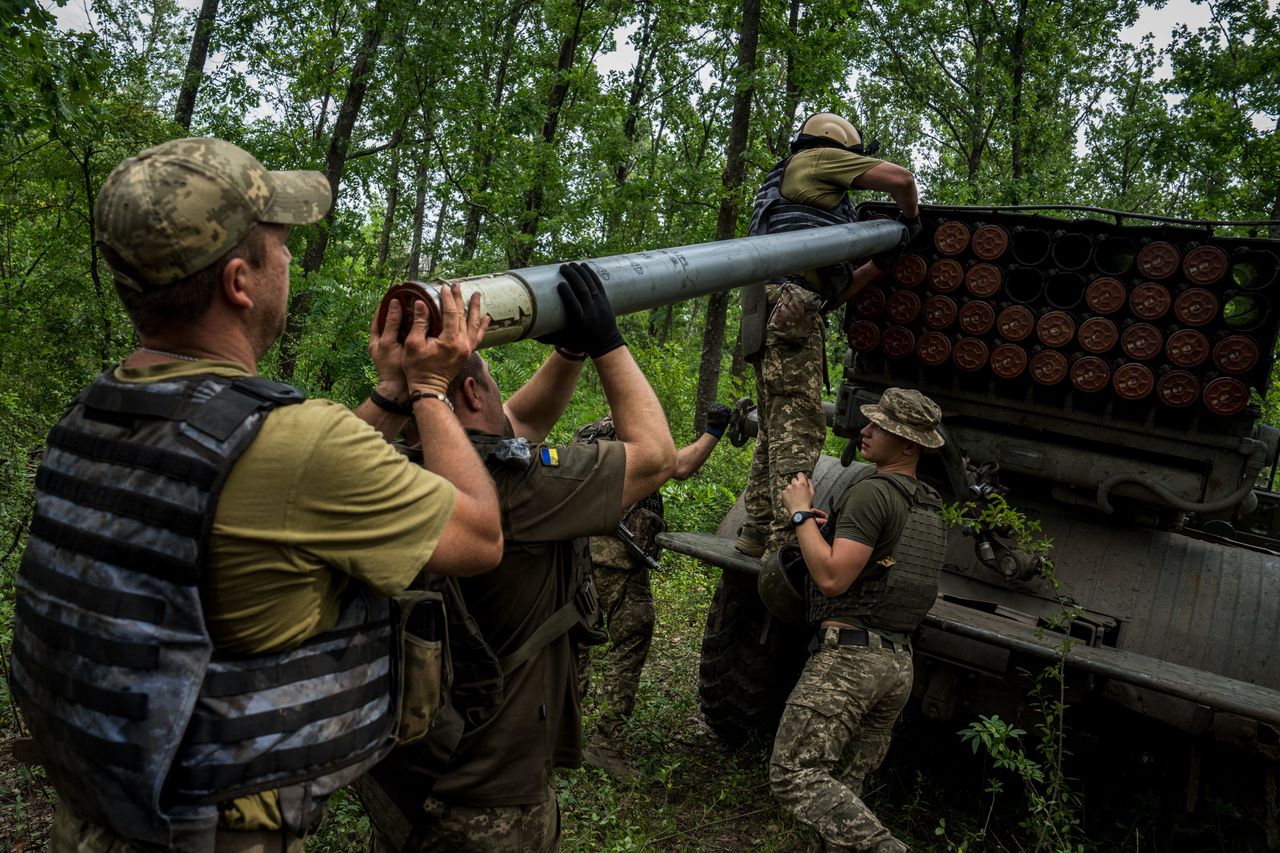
[[895, 598], [644, 518], [143, 726]]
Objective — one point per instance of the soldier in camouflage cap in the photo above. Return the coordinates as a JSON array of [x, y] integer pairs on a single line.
[[872, 577], [176, 208], [208, 536]]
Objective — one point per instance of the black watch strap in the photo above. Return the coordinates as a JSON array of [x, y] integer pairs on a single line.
[[391, 406], [799, 517]]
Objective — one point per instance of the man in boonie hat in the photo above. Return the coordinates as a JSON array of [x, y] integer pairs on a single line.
[[873, 575], [203, 641]]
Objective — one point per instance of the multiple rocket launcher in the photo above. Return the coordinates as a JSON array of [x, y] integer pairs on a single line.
[[1142, 315]]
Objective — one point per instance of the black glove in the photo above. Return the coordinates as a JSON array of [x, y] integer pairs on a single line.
[[590, 326], [914, 225], [718, 418]]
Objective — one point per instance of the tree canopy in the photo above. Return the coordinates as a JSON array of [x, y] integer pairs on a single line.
[[464, 137]]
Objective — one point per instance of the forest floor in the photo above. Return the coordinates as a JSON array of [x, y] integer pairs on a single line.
[[698, 794]]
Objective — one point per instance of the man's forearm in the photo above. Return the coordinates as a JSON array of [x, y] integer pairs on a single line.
[[639, 422], [388, 424], [692, 456], [908, 199], [535, 408]]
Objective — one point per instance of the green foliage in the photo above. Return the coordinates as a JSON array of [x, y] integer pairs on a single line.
[[1053, 809]]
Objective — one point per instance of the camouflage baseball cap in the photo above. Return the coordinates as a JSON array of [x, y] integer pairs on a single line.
[[176, 208], [907, 413]]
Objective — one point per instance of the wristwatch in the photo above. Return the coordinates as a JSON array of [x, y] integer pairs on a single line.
[[800, 516]]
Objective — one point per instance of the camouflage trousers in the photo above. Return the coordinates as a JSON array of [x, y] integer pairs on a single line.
[[627, 602], [835, 730], [792, 425], [490, 829]]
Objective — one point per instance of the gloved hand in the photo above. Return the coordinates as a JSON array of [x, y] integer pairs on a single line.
[[914, 225], [590, 326], [718, 418]]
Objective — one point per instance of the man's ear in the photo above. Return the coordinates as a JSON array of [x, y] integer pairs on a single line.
[[470, 394], [235, 284]]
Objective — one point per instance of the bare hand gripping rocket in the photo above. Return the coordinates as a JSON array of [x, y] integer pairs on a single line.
[[524, 304]]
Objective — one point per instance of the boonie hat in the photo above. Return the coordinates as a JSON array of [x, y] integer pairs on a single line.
[[176, 208], [908, 414]]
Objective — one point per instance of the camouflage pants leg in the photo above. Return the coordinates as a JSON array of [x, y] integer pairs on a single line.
[[792, 425], [835, 730], [627, 601], [493, 829]]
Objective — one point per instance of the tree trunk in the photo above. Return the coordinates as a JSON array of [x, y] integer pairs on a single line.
[[646, 52], [484, 148], [531, 216], [791, 97], [335, 160], [334, 164], [419, 215], [104, 311], [434, 257], [727, 220], [389, 217], [195, 63]]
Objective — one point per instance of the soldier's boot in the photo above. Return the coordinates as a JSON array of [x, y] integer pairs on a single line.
[[602, 754], [750, 542]]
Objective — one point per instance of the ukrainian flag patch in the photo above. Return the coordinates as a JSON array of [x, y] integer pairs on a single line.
[[550, 457]]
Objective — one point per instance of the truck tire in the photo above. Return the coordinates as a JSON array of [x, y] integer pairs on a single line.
[[749, 664]]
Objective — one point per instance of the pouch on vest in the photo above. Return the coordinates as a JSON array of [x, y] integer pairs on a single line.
[[789, 321], [588, 629], [426, 672]]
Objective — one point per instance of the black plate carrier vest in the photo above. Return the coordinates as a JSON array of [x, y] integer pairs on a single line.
[[143, 726], [897, 598], [774, 213]]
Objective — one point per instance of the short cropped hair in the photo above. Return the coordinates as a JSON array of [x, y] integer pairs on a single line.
[[472, 368], [156, 308]]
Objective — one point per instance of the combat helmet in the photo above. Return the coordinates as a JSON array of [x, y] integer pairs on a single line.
[[830, 129], [781, 584]]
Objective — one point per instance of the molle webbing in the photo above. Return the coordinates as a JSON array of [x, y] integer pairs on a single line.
[[896, 598], [143, 726], [774, 213]]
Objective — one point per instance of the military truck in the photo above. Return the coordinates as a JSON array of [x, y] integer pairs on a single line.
[[1103, 373]]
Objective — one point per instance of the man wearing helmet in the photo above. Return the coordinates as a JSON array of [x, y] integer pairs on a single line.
[[782, 320], [868, 588]]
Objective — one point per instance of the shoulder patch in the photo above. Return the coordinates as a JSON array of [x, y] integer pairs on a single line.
[[550, 457]]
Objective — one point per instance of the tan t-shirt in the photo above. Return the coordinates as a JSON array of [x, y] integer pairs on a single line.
[[821, 176], [317, 499]]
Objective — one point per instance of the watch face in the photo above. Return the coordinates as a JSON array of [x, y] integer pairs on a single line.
[[799, 517]]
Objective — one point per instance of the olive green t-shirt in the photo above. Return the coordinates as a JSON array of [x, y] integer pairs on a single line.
[[821, 176], [318, 499], [874, 513], [565, 492]]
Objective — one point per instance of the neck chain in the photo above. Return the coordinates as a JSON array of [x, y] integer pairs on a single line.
[[167, 354]]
